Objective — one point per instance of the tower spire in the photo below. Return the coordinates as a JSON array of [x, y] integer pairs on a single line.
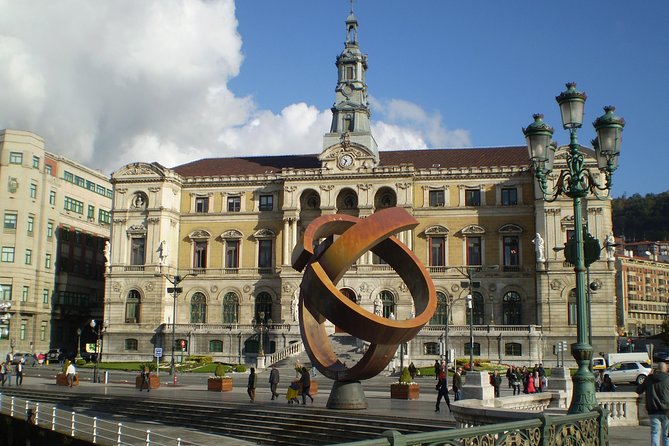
[[351, 112]]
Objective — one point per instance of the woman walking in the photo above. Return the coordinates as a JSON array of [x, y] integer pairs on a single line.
[[251, 387]]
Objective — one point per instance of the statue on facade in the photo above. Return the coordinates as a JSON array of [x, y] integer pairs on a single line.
[[294, 308], [163, 252], [539, 247], [378, 306], [107, 252], [609, 244]]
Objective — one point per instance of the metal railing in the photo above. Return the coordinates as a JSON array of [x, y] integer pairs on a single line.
[[582, 429], [76, 425], [292, 349]]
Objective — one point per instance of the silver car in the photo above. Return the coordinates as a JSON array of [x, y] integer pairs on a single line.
[[628, 372]]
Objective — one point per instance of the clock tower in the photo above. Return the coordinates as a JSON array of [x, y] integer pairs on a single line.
[[350, 131]]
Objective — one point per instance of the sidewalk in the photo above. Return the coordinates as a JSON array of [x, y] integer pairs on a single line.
[[379, 403]]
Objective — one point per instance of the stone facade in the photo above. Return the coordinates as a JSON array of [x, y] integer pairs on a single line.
[[227, 228], [57, 216]]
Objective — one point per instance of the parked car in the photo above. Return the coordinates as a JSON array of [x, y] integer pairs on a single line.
[[628, 372], [28, 359], [55, 354], [660, 356]]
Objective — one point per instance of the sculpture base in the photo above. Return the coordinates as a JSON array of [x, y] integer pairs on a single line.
[[347, 395]]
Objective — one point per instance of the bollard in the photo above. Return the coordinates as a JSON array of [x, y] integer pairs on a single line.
[[72, 425], [106, 377], [148, 437], [118, 440], [95, 430], [53, 418]]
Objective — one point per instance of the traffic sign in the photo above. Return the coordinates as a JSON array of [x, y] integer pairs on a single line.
[[158, 352]]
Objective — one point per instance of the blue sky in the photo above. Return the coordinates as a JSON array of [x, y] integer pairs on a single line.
[[114, 82], [483, 66]]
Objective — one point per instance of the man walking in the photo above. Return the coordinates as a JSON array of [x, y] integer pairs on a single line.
[[457, 384], [274, 381], [656, 387]]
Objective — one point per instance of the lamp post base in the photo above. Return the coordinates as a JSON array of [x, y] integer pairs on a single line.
[[583, 397]]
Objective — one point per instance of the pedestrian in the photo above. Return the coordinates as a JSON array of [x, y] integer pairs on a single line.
[[607, 385], [412, 370], [495, 381], [437, 367], [19, 373], [251, 386], [293, 392], [656, 388], [517, 381], [599, 380], [442, 390], [274, 381], [3, 373], [146, 379], [457, 384], [509, 376], [71, 374], [305, 380], [8, 373], [529, 379], [537, 382]]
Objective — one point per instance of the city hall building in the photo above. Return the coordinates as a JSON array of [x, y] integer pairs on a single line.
[[220, 233]]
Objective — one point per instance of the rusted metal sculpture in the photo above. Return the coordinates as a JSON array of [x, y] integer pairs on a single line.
[[324, 265]]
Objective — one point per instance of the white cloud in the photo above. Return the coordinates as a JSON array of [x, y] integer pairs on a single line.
[[113, 82]]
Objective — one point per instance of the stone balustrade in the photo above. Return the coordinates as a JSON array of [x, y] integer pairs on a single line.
[[479, 407]]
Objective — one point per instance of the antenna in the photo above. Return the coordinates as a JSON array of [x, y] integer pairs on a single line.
[[351, 5]]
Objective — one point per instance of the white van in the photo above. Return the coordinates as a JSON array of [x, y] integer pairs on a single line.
[[600, 363]]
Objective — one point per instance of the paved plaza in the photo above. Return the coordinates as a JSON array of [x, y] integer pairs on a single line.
[[193, 388]]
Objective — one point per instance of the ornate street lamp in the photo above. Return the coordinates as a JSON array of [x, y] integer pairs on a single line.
[[470, 308], [577, 182], [175, 290]]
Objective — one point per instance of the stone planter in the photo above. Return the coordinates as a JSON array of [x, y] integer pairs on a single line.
[[219, 384], [404, 391], [61, 380], [154, 381]]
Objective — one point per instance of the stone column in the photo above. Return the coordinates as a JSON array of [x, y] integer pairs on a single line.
[[477, 386]]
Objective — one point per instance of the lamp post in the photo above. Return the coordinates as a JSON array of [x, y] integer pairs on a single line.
[[470, 307], [97, 329], [576, 182], [175, 290], [78, 355], [449, 308], [261, 325]]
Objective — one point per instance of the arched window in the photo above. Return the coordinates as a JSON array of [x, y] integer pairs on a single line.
[[511, 309], [198, 309], [477, 349], [478, 308], [513, 349], [132, 307], [388, 302], [572, 307], [431, 348], [263, 305], [130, 345], [441, 312], [385, 198], [216, 346], [230, 308]]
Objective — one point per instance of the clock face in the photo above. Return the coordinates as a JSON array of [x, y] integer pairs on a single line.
[[345, 160], [347, 90]]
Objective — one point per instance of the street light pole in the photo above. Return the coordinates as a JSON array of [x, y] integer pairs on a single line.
[[175, 291], [470, 307], [577, 182]]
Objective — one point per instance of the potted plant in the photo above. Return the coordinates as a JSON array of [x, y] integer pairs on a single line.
[[219, 382], [405, 389], [61, 378], [154, 380]]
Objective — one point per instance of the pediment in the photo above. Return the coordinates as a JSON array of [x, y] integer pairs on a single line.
[[232, 234], [436, 230], [472, 230], [264, 233], [144, 170], [199, 234], [510, 229]]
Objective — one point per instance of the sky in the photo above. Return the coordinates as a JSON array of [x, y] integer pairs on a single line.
[[107, 83]]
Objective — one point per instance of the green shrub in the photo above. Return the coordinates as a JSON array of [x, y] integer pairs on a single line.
[[220, 370], [202, 359], [240, 368], [80, 362], [150, 365], [405, 378]]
